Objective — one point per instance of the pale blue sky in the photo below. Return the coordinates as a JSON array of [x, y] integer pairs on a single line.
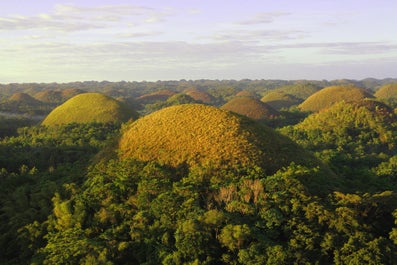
[[62, 41]]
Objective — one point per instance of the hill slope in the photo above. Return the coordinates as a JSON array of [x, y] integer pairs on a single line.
[[333, 94], [251, 108], [89, 107], [204, 135], [387, 91]]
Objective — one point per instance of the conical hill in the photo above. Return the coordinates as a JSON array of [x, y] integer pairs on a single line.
[[89, 107], [387, 91], [251, 108], [279, 100], [196, 134], [23, 98], [328, 96], [199, 95]]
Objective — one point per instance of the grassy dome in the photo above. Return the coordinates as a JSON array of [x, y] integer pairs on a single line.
[[161, 95], [387, 91], [23, 98], [279, 100], [204, 135], [333, 94], [89, 107], [250, 107], [300, 90], [198, 95]]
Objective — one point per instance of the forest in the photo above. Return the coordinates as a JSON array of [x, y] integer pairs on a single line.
[[199, 172]]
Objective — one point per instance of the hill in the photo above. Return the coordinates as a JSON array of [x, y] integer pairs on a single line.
[[23, 98], [199, 96], [251, 108], [301, 90], [150, 98], [279, 100], [388, 91], [196, 134], [55, 96], [328, 96], [89, 107]]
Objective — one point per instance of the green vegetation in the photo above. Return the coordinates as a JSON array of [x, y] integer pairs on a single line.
[[251, 108], [330, 95], [89, 107], [195, 184]]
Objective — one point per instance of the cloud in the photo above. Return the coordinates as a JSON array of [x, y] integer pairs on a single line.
[[344, 48], [69, 18], [263, 18], [259, 35]]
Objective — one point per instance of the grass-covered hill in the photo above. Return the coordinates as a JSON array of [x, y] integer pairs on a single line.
[[23, 98], [196, 134], [251, 107], [198, 95], [54, 96], [301, 90], [280, 100], [90, 107], [328, 96], [388, 91], [246, 93], [153, 97]]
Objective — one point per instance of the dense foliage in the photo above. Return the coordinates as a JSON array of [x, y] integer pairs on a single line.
[[77, 194]]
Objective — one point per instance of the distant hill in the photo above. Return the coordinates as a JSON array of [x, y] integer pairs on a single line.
[[388, 91], [251, 108], [198, 95], [150, 98], [23, 98], [57, 97], [90, 107], [246, 93], [328, 96], [279, 100], [301, 90], [198, 134]]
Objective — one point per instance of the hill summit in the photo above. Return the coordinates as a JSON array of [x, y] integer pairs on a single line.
[[251, 107], [328, 96], [89, 107], [196, 134]]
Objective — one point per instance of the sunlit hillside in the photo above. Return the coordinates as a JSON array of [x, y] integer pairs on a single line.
[[387, 91], [203, 135], [279, 100], [328, 96], [251, 108], [90, 107]]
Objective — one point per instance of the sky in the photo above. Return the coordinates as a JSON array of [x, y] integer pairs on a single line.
[[125, 40]]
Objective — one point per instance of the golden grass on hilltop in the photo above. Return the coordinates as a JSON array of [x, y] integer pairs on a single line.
[[279, 100], [387, 91], [250, 107], [89, 107], [204, 135], [333, 94]]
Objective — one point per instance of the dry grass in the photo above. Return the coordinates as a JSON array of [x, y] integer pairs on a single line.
[[251, 108], [198, 95], [279, 100], [387, 91], [203, 135], [89, 107], [330, 95], [24, 98]]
